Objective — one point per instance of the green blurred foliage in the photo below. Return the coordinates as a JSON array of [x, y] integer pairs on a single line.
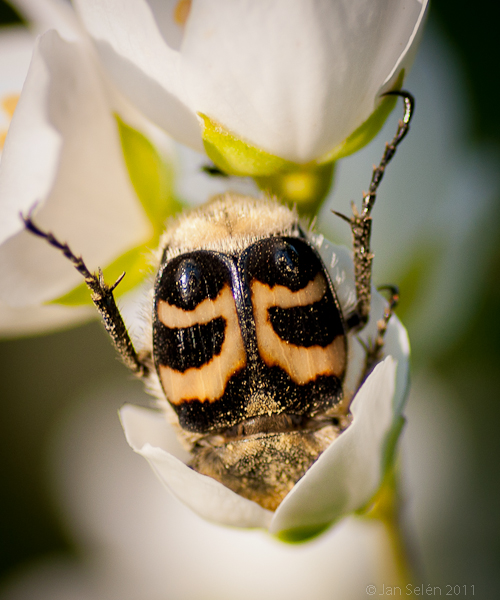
[[8, 15], [471, 366], [472, 32]]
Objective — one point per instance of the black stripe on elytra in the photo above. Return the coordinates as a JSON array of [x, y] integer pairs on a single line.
[[188, 279], [285, 395], [202, 417], [188, 347], [316, 324], [286, 261]]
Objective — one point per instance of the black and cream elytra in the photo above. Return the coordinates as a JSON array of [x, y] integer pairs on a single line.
[[247, 345]]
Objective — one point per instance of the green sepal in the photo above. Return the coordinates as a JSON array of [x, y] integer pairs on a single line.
[[299, 535], [150, 175], [306, 186], [391, 445], [367, 130], [236, 157], [152, 179]]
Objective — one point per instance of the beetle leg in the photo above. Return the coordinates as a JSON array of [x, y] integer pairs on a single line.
[[102, 297], [361, 221], [374, 348]]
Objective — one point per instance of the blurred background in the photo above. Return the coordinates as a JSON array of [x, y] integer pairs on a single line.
[[436, 235]]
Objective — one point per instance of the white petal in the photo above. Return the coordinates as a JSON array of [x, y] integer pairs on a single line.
[[428, 224], [408, 55], [16, 47], [295, 81], [196, 186], [348, 473], [292, 80], [108, 499], [31, 320], [50, 14], [63, 149], [31, 142], [142, 61], [149, 435]]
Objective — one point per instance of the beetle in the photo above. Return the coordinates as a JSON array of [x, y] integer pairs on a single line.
[[247, 343]]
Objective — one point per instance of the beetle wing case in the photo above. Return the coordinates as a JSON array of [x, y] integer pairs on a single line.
[[249, 344]]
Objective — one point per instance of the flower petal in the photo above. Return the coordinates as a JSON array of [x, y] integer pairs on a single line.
[[30, 320], [150, 436], [140, 55], [16, 47], [50, 14], [408, 55], [349, 472], [306, 77], [110, 500], [63, 149]]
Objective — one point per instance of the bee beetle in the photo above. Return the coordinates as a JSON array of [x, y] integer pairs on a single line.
[[247, 349]]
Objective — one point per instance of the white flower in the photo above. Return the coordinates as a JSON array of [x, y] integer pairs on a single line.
[[345, 477], [294, 80], [66, 150], [134, 541]]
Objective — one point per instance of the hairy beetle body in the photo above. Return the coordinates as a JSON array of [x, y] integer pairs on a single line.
[[249, 344]]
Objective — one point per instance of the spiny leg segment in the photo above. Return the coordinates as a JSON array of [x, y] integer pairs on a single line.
[[373, 351], [102, 297], [361, 222]]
